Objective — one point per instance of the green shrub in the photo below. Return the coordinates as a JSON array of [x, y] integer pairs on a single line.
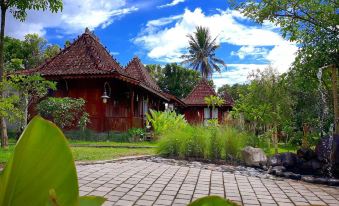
[[163, 121], [203, 142], [136, 134], [65, 112]]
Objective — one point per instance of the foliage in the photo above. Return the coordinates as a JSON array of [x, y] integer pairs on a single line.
[[201, 52], [59, 184], [164, 121], [136, 134], [65, 112], [233, 90], [174, 78], [9, 102], [311, 23], [29, 53], [203, 142], [212, 201], [89, 135], [214, 101]]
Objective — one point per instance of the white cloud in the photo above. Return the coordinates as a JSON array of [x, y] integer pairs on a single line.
[[173, 3], [76, 15], [255, 52], [165, 39], [236, 73]]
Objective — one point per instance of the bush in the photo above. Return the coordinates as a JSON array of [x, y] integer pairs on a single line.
[[65, 112], [164, 121], [214, 143], [136, 134], [89, 135]]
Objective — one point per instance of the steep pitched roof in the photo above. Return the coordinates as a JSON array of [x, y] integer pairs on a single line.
[[137, 70], [199, 92], [85, 56], [228, 99]]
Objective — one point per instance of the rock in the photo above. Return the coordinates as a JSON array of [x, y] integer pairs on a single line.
[[287, 159], [308, 178], [292, 175], [333, 182], [306, 154], [253, 156], [311, 167], [277, 169]]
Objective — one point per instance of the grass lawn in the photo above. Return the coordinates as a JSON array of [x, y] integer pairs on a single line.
[[77, 142], [93, 153], [283, 148], [4, 154], [89, 153]]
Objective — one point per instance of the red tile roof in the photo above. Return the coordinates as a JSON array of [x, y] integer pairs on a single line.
[[202, 90], [137, 70], [85, 56], [199, 92]]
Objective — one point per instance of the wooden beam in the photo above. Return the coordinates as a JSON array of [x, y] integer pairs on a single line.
[[132, 106]]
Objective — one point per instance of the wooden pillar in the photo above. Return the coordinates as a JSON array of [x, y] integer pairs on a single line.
[[335, 99], [132, 107]]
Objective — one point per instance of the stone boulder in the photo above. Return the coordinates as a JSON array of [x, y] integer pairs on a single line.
[[254, 157], [287, 159], [306, 154]]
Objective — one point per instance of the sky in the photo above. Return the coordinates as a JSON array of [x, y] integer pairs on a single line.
[[156, 31]]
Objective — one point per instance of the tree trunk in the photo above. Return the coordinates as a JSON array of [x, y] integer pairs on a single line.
[[304, 141], [335, 100], [275, 138], [4, 137]]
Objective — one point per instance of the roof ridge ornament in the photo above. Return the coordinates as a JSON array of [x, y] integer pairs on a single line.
[[87, 31]]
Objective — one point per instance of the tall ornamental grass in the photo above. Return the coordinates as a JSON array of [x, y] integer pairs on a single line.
[[212, 143]]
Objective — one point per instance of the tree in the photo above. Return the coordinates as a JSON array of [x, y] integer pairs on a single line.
[[19, 10], [30, 88], [313, 24], [267, 102], [175, 79], [51, 51], [233, 90], [214, 101], [201, 53]]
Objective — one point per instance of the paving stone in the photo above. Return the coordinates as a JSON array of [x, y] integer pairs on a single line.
[[140, 182]]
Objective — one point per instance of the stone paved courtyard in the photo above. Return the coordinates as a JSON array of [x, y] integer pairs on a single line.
[[138, 182]]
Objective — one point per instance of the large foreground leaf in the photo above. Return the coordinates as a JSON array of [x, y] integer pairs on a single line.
[[41, 170], [212, 201]]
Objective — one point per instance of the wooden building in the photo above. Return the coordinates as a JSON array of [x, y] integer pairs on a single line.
[[116, 98], [196, 111]]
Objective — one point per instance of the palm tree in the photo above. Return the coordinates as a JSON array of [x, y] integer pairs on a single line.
[[201, 52]]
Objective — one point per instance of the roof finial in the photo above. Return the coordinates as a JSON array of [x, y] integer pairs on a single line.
[[87, 31]]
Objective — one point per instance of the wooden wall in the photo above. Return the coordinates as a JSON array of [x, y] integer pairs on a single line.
[[116, 114]]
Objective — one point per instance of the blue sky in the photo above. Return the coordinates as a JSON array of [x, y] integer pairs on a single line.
[[155, 30]]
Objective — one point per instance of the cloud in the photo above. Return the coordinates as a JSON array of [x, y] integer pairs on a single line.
[[236, 73], [173, 3], [255, 52], [165, 39], [76, 15]]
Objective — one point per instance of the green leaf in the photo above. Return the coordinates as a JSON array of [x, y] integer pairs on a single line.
[[212, 201], [41, 170], [91, 201]]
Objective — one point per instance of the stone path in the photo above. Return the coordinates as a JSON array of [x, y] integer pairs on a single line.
[[138, 182]]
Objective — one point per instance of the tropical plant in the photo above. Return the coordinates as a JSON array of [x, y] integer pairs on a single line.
[[136, 134], [203, 142], [214, 101], [212, 201], [42, 161], [164, 121], [201, 52], [65, 112], [19, 10]]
